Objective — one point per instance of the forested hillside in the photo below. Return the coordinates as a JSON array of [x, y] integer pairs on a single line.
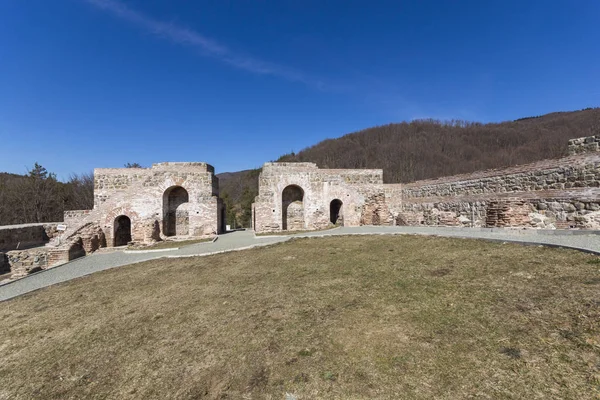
[[40, 197], [411, 151]]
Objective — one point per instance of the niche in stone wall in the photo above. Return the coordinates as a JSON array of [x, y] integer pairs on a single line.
[[122, 230], [292, 207], [175, 217], [375, 211], [335, 212]]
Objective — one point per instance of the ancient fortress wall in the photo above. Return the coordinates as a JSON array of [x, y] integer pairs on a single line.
[[141, 194], [21, 247], [560, 193], [300, 196], [181, 199], [143, 205], [130, 205]]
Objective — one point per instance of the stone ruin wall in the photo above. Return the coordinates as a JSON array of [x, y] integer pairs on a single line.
[[26, 235], [360, 192], [584, 145], [22, 248], [560, 193], [137, 193]]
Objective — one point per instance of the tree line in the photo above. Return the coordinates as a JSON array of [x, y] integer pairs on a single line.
[[426, 149], [39, 197]]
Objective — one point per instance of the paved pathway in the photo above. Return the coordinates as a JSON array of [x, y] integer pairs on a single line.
[[582, 240]]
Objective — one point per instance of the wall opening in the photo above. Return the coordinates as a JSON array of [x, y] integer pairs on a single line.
[[76, 250], [175, 217], [223, 216], [292, 207], [122, 230], [335, 212]]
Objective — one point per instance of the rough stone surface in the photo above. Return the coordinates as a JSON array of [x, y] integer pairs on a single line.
[[145, 204], [562, 193], [26, 235], [300, 196], [24, 262], [584, 145]]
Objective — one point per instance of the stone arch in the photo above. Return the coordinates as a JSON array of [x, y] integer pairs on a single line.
[[122, 230], [335, 212], [175, 218], [292, 208]]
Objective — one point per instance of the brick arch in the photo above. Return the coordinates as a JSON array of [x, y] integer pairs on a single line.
[[292, 208], [121, 230]]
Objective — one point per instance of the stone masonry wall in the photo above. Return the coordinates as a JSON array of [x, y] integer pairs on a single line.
[[310, 209], [26, 235], [560, 193], [584, 145], [565, 173], [142, 195], [24, 262]]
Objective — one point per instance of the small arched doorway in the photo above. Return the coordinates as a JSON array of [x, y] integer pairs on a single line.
[[292, 208], [122, 230], [175, 217], [335, 212]]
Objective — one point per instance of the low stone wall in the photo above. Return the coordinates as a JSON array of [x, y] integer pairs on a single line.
[[24, 262], [560, 193], [527, 211], [75, 216], [27, 235], [561, 174]]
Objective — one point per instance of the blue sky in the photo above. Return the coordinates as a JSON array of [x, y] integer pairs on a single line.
[[98, 83]]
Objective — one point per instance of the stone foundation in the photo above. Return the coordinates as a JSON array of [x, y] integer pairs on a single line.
[[25, 262]]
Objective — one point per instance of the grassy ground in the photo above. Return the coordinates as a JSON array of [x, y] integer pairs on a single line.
[[380, 317], [168, 244]]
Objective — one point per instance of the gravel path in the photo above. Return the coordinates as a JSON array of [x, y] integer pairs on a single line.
[[581, 240]]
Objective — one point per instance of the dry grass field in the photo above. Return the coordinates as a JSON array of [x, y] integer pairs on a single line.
[[331, 318]]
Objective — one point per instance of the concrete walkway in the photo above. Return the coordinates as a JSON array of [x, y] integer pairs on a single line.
[[580, 240]]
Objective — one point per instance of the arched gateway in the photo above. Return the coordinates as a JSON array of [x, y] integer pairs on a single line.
[[292, 208], [175, 217]]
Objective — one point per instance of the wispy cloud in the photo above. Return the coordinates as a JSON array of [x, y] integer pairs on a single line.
[[207, 46]]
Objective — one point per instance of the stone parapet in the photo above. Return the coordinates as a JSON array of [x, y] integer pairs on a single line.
[[26, 235]]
